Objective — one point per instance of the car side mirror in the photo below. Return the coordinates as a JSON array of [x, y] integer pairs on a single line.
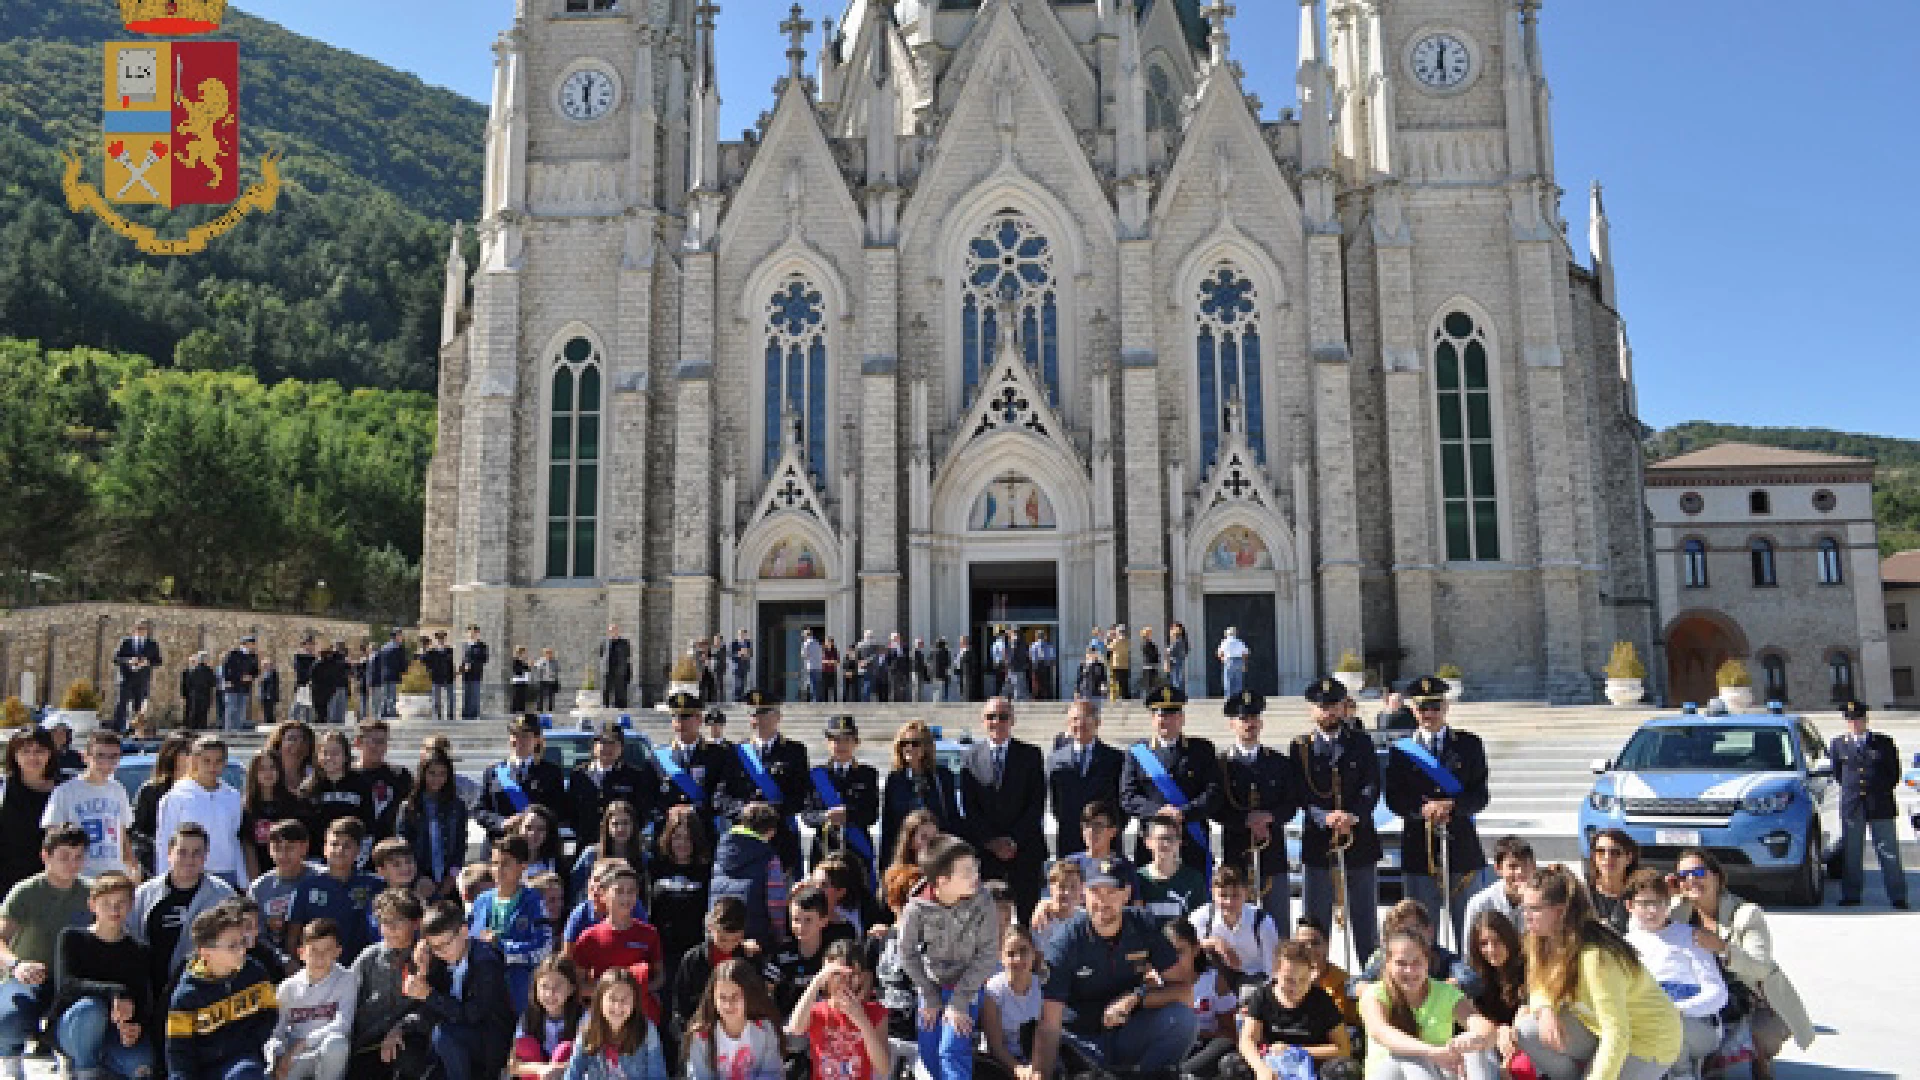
[[1821, 772], [1600, 765]]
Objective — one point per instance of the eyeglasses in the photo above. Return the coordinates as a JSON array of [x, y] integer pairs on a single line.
[[999, 716], [1609, 852], [908, 744], [1698, 873]]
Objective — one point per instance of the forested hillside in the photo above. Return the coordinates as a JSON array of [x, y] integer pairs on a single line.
[[342, 281], [1896, 495]]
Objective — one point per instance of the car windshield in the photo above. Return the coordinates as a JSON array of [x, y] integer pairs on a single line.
[[1710, 748], [568, 753]]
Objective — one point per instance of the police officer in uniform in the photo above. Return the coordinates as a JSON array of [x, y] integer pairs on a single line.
[[692, 762], [1340, 784], [1258, 796], [1867, 766], [524, 778], [606, 778], [1424, 806], [785, 762], [858, 785], [1191, 763]]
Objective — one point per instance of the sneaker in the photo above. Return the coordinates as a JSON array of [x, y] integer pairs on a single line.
[[1902, 905], [1849, 903]]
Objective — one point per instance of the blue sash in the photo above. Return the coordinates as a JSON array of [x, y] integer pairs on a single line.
[[1170, 792], [516, 797], [750, 758], [681, 778], [857, 837], [1449, 784]]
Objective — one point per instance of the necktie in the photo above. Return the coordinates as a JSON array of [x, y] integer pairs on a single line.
[[999, 764], [680, 754], [1080, 761]]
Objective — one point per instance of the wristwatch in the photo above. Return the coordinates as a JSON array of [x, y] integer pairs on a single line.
[[1140, 994]]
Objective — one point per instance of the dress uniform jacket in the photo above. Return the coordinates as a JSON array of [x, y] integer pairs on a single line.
[[1409, 788], [1347, 767], [859, 788], [786, 763], [1195, 769], [543, 783], [1262, 781], [724, 786], [1073, 785], [589, 795], [1868, 770]]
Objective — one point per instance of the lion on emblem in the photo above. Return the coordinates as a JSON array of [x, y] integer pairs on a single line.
[[203, 116]]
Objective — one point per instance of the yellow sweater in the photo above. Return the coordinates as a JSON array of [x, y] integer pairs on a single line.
[[1627, 1012]]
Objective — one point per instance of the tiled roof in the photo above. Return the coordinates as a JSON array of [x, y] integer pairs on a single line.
[[1740, 455], [1901, 568]]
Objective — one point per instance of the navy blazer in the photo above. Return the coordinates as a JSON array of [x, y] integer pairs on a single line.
[[898, 797], [1353, 771], [1015, 808], [1071, 791], [149, 651], [1195, 769]]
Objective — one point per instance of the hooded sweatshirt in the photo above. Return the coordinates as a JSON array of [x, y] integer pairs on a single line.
[[213, 1023], [949, 948], [744, 865], [314, 1010]]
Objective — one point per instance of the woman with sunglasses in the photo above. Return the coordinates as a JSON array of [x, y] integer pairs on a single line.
[[918, 782], [1735, 931], [1614, 858]]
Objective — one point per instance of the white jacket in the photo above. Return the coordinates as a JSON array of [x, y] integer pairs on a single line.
[[218, 811], [1674, 959], [313, 1011]]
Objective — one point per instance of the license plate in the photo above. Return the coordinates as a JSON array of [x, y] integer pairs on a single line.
[[1677, 837]]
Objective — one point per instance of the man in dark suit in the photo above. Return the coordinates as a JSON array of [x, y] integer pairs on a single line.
[[393, 664], [1437, 778], [606, 778], [696, 771], [1190, 763], [473, 668], [857, 787], [1340, 785], [783, 762], [1003, 795], [440, 669], [616, 655], [463, 999], [1866, 764], [1081, 770], [1258, 796], [135, 658], [526, 777]]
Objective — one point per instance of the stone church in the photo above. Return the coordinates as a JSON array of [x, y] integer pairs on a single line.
[[1024, 312]]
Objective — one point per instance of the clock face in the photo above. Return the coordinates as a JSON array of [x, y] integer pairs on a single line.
[[1442, 61], [587, 94]]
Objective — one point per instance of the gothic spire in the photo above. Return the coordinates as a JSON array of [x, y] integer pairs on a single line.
[[1217, 12], [456, 289], [1600, 244], [1315, 81]]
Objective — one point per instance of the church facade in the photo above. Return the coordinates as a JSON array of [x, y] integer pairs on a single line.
[[1018, 312]]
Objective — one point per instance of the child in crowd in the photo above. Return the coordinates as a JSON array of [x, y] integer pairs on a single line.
[[1216, 1003], [619, 1042], [224, 1010], [1100, 825], [1066, 894], [510, 916], [1168, 887], [735, 1033], [553, 903], [102, 994], [1235, 933], [314, 1037], [1291, 1016], [97, 802], [475, 878], [344, 894], [544, 1042], [949, 947], [383, 1045], [281, 891], [1005, 911], [271, 960], [1328, 976], [844, 1028], [593, 900], [1412, 916], [542, 831], [745, 865], [801, 957], [849, 900], [621, 941], [1683, 969], [1010, 1012], [726, 940], [393, 861]]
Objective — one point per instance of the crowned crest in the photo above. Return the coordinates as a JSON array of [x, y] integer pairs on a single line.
[[172, 16]]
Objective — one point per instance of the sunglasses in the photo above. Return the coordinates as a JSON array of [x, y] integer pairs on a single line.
[[911, 743], [999, 716], [1698, 873]]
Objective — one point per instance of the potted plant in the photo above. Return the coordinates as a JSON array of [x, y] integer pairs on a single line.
[[80, 707], [416, 693], [1454, 678], [15, 714], [1626, 675], [1736, 686], [587, 698], [1351, 673]]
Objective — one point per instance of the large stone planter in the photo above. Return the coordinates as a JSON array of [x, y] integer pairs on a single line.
[[78, 721], [415, 706], [1626, 692], [1354, 681], [1455, 687], [585, 700], [1737, 698]]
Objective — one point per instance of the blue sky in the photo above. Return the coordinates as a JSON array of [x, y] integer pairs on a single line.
[[1756, 156]]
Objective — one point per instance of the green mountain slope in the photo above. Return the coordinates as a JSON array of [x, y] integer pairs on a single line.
[[1896, 494], [342, 281]]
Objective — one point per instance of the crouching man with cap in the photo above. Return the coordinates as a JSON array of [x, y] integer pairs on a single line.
[[1116, 994]]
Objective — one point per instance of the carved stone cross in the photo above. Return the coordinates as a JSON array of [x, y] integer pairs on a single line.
[[796, 27]]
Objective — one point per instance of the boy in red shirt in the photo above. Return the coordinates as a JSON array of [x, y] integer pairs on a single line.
[[620, 940], [845, 1029]]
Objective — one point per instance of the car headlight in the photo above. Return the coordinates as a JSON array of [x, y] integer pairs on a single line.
[[1770, 802], [1602, 801]]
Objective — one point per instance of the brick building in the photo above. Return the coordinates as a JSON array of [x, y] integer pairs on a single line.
[[1021, 312]]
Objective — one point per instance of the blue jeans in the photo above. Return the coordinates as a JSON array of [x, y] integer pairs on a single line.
[[443, 702], [1150, 1039], [470, 699], [390, 699], [87, 1035], [1886, 847], [944, 1052], [1177, 674], [453, 1050], [21, 1008], [235, 716], [1234, 672], [813, 686]]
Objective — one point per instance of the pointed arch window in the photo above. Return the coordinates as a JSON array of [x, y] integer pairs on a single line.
[[573, 461], [1010, 259], [1162, 111], [1468, 486], [1226, 348], [796, 371]]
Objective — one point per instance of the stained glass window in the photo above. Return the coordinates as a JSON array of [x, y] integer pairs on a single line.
[[1469, 486], [1010, 259], [796, 358], [1227, 355], [573, 462]]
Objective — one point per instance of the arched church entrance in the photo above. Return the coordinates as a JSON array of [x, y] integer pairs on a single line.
[[1698, 642]]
